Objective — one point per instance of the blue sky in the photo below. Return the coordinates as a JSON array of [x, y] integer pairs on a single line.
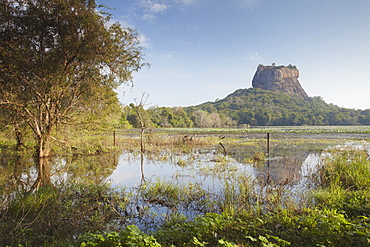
[[201, 50]]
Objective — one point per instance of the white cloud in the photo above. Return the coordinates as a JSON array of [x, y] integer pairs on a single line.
[[144, 41], [126, 24], [248, 3], [145, 3], [149, 18], [169, 55], [185, 2], [151, 9], [254, 56], [158, 7]]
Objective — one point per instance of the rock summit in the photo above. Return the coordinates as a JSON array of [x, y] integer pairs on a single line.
[[280, 79]]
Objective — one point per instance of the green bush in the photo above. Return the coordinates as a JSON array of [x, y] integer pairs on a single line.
[[52, 216], [131, 236], [345, 180], [314, 227], [98, 215], [215, 230]]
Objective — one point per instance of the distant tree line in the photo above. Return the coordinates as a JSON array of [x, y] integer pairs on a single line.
[[253, 107]]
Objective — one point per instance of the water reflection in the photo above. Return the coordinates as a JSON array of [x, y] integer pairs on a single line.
[[288, 165], [28, 174], [158, 184], [130, 169], [43, 173], [211, 169]]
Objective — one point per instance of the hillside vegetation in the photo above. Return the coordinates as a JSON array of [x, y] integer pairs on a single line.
[[252, 107]]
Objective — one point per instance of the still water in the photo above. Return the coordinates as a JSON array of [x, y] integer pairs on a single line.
[[207, 167], [204, 177], [210, 169]]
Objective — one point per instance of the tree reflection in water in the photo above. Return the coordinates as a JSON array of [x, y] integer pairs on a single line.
[[43, 173], [24, 174], [142, 167]]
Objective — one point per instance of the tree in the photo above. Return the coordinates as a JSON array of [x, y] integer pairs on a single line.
[[143, 117], [58, 61], [200, 118], [215, 120]]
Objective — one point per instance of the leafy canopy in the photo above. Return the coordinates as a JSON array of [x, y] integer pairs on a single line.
[[61, 60]]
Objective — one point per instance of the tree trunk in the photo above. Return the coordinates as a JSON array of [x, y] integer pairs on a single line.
[[142, 166], [43, 143], [142, 145], [19, 138], [43, 176]]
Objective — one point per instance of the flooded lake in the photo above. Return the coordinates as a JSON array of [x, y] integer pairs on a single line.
[[210, 169], [190, 179], [292, 161]]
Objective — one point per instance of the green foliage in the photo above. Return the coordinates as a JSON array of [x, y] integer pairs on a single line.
[[281, 228], [348, 169], [345, 180], [176, 197], [216, 230], [207, 229], [130, 113], [260, 107], [312, 227], [60, 63], [265, 242], [50, 215], [339, 218], [131, 236], [169, 117], [237, 214], [257, 107]]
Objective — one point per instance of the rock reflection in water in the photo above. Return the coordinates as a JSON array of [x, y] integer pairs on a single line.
[[211, 169], [284, 169], [129, 169]]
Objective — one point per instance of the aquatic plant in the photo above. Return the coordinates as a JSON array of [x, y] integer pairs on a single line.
[[51, 216], [237, 210], [345, 183], [130, 236]]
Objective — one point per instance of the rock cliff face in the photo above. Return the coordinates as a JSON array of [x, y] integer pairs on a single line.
[[280, 79]]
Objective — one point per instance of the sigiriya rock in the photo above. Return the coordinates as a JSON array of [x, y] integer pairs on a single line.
[[280, 79]]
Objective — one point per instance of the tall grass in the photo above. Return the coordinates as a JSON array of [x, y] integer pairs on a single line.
[[345, 183], [340, 216], [54, 216], [242, 211]]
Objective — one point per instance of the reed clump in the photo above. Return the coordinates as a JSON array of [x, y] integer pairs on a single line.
[[245, 216], [345, 183], [54, 216], [241, 211]]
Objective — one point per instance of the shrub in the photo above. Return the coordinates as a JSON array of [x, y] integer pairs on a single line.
[[51, 216], [345, 180], [131, 236]]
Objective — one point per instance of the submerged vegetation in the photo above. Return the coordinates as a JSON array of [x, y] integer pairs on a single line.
[[63, 130], [241, 210]]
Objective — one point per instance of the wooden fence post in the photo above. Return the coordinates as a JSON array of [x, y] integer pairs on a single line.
[[114, 138], [268, 145]]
